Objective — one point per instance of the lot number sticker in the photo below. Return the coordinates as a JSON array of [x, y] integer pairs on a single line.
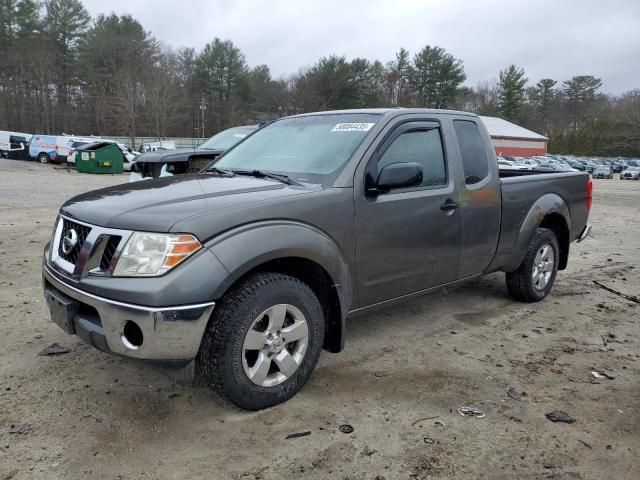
[[352, 127]]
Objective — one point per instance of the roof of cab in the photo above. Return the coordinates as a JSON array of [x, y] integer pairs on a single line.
[[388, 111]]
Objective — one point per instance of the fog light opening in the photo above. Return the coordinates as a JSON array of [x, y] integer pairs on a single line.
[[132, 335]]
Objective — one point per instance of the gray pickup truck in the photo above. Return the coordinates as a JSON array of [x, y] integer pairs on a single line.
[[250, 268]]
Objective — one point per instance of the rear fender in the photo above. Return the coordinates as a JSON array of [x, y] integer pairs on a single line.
[[548, 204]]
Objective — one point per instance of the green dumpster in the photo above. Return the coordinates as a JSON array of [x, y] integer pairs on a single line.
[[99, 157]]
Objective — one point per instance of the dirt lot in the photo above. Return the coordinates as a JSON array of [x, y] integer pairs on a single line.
[[399, 383]]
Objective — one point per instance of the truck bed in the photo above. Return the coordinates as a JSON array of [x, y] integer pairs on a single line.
[[522, 189], [523, 173]]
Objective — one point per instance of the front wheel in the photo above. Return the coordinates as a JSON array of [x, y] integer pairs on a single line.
[[263, 341], [43, 158], [534, 278]]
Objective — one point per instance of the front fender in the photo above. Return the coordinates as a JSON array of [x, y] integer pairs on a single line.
[[547, 204], [244, 248]]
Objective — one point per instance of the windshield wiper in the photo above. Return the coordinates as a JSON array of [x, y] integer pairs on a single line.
[[262, 174], [221, 171]]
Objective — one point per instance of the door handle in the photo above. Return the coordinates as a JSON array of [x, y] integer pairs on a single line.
[[449, 206]]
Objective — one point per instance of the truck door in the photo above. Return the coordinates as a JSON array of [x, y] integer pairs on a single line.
[[408, 239], [481, 203]]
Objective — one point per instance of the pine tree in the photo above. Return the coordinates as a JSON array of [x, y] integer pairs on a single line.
[[543, 98], [581, 93], [436, 76], [511, 93]]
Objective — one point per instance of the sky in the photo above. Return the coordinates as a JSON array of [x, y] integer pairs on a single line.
[[549, 39]]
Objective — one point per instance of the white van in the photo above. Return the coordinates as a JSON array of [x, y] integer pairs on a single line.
[[5, 141], [65, 144]]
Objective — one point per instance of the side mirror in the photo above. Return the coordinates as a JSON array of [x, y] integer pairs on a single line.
[[398, 175]]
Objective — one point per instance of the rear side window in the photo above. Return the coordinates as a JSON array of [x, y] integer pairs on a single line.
[[423, 147], [472, 150]]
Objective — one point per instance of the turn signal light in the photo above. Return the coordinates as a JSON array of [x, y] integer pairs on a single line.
[[180, 249]]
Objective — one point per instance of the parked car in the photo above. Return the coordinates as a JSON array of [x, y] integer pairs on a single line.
[[616, 166], [577, 165], [603, 172], [563, 167], [630, 173], [155, 164], [544, 160], [129, 155], [507, 165], [528, 163], [71, 157], [544, 167], [589, 165], [511, 158], [251, 267]]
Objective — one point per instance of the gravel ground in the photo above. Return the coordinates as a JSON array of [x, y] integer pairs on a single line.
[[404, 373]]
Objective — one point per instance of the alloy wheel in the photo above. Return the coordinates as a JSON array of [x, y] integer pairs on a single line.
[[543, 266], [275, 345]]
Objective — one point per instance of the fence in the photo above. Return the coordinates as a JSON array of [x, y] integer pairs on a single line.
[[180, 142]]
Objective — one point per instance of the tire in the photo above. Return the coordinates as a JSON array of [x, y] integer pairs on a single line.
[[43, 158], [229, 353], [526, 283]]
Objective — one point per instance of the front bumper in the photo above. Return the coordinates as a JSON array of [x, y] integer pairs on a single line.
[[168, 333]]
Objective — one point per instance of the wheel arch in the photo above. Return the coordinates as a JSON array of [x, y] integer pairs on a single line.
[[299, 250], [558, 225], [549, 211]]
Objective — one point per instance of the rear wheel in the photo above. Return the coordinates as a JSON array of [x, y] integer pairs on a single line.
[[263, 341], [534, 278], [43, 158]]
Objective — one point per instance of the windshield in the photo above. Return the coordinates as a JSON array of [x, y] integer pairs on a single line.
[[227, 138], [310, 148]]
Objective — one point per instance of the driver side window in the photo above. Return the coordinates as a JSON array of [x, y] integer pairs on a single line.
[[423, 147]]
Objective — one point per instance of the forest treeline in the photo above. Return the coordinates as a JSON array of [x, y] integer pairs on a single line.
[[63, 71]]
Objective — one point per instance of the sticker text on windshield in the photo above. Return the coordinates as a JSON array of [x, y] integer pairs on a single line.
[[352, 127]]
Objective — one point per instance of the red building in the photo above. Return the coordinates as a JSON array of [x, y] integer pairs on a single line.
[[511, 139]]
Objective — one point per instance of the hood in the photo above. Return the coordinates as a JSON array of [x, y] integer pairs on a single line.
[[178, 155], [156, 205]]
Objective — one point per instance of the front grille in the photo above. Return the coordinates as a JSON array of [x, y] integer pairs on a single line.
[[81, 232], [109, 251]]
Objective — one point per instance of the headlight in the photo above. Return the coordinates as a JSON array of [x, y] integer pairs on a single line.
[[152, 254]]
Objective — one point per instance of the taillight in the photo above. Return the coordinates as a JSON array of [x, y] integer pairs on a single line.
[[589, 193]]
